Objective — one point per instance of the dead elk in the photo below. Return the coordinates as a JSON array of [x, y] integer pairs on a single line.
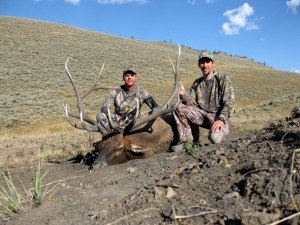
[[139, 143], [142, 138]]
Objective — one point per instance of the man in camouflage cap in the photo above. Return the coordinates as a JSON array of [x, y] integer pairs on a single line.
[[124, 99], [209, 104]]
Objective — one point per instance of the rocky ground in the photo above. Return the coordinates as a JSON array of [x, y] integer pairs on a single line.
[[254, 179]]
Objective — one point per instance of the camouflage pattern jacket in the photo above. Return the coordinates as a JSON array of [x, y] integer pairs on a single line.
[[125, 102], [214, 95]]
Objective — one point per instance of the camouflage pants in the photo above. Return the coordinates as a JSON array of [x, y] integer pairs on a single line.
[[103, 120], [186, 115]]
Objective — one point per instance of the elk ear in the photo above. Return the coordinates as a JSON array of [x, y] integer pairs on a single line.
[[137, 151], [136, 148]]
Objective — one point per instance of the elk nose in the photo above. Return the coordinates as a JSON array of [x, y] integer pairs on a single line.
[[97, 164]]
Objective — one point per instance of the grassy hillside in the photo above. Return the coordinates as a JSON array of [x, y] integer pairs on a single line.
[[34, 85]]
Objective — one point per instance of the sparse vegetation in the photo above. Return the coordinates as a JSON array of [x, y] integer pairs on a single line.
[[276, 126], [190, 147]]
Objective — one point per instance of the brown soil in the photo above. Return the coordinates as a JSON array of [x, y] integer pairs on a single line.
[[244, 181]]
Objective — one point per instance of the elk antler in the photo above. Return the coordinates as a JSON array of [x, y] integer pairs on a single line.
[[94, 126], [98, 127], [169, 104]]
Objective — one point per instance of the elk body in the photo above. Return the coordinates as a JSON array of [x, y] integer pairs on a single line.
[[142, 138], [140, 143]]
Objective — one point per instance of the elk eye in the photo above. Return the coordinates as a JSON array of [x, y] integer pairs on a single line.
[[120, 147]]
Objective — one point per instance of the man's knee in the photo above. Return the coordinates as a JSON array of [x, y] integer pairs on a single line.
[[101, 117], [98, 117], [217, 137], [179, 108]]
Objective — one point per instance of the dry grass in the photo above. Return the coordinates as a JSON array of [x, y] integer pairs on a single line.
[[34, 85]]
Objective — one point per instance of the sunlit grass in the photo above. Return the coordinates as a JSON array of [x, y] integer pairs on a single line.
[[10, 197], [40, 191], [256, 117]]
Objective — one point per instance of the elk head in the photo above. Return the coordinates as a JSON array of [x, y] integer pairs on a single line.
[[116, 147]]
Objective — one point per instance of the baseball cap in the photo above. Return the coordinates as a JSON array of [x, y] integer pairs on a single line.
[[129, 70], [206, 55]]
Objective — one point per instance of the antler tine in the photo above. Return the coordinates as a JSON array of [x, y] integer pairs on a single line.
[[95, 127], [69, 119], [93, 87], [90, 128], [79, 99], [176, 74], [114, 125], [82, 122], [137, 111], [168, 106]]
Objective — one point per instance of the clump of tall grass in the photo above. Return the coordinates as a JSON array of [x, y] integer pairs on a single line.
[[10, 197], [37, 182], [38, 192]]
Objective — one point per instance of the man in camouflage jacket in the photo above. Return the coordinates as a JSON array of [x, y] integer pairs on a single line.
[[124, 100], [209, 104]]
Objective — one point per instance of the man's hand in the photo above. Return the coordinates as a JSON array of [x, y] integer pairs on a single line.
[[217, 126], [145, 115], [121, 122], [181, 89]]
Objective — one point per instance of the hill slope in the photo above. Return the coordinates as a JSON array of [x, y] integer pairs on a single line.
[[34, 84]]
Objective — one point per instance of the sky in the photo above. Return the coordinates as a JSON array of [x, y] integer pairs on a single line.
[[266, 31]]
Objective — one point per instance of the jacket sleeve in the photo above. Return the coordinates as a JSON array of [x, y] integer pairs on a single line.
[[228, 99], [151, 103], [109, 101], [190, 98], [148, 99]]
